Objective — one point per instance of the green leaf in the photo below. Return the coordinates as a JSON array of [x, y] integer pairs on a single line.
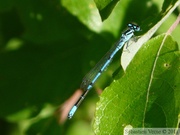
[[126, 56], [168, 3], [147, 95], [46, 48], [105, 7], [86, 11], [101, 4]]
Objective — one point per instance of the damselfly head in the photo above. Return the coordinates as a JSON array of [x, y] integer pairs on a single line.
[[134, 27]]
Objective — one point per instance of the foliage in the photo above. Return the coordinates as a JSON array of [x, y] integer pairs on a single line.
[[46, 47]]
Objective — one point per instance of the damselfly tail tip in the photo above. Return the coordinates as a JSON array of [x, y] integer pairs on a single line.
[[72, 111]]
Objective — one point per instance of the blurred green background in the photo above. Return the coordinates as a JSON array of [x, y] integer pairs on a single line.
[[47, 46]]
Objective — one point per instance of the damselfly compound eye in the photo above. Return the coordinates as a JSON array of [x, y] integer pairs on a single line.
[[134, 27]]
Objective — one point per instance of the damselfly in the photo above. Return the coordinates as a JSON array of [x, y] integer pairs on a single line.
[[89, 80]]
